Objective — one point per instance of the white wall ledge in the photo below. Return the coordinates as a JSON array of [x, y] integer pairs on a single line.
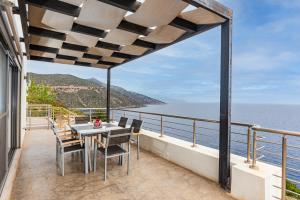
[[246, 183]]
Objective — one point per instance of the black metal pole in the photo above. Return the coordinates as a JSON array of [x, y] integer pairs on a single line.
[[225, 105], [108, 96]]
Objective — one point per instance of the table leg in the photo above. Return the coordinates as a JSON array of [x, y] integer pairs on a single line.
[[90, 156], [86, 157]]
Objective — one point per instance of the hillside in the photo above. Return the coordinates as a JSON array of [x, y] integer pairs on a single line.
[[77, 92]]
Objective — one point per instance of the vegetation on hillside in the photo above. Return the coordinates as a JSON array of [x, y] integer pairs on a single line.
[[76, 92], [41, 94]]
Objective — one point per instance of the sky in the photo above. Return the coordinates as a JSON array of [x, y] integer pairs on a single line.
[[266, 60]]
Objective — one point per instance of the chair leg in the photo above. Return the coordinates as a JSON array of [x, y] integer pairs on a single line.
[[138, 146], [56, 153], [82, 156], [105, 167], [128, 164], [62, 163], [95, 157]]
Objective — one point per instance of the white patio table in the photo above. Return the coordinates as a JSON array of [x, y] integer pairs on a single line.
[[86, 131]]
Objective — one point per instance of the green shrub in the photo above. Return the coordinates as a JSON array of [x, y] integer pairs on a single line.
[[40, 94], [292, 187]]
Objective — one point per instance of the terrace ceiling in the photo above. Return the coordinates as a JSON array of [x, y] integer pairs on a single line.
[[107, 33]]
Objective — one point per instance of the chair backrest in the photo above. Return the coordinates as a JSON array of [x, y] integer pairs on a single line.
[[82, 120], [118, 136], [136, 125], [123, 122]]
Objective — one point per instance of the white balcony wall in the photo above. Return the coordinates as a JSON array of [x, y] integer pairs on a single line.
[[246, 183]]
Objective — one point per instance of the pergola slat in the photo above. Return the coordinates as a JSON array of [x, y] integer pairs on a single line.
[[106, 63], [74, 47], [184, 24], [46, 33], [91, 56], [106, 45], [122, 55], [130, 5], [57, 6], [144, 44], [65, 57], [82, 63], [42, 48], [38, 58], [134, 28], [88, 30]]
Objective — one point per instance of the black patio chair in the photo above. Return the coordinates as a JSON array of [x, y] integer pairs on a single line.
[[113, 147], [123, 122], [67, 147], [82, 120], [136, 127]]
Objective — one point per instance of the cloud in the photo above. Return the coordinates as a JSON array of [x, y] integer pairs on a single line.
[[264, 59]]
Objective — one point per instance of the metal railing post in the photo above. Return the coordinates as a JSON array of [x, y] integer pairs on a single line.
[[124, 114], [194, 134], [68, 117], [90, 114], [161, 126], [248, 145], [254, 151], [283, 168], [30, 117], [140, 116], [48, 115], [112, 115], [53, 114]]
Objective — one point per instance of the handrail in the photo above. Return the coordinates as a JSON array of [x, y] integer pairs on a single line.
[[275, 131], [87, 108], [184, 117]]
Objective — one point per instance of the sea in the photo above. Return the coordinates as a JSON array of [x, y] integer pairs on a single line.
[[285, 117]]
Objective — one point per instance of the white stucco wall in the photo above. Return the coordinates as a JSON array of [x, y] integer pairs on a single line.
[[23, 101]]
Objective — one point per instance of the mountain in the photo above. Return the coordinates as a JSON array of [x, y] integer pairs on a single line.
[[89, 93]]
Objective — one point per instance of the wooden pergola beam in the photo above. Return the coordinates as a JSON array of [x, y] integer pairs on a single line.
[[65, 57], [46, 33], [23, 16], [184, 24], [57, 6], [129, 5], [43, 48], [123, 55], [91, 56], [134, 28], [110, 46], [212, 6], [88, 30], [74, 47]]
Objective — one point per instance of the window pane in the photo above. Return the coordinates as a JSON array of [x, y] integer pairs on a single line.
[[3, 68]]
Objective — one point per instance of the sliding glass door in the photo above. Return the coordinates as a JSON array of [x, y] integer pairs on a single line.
[[9, 112], [3, 114]]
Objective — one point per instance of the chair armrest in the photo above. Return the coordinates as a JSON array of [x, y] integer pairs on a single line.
[[99, 142]]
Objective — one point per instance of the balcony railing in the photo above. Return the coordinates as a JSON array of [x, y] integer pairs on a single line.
[[251, 141]]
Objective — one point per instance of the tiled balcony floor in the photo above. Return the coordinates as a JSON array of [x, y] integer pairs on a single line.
[[151, 177]]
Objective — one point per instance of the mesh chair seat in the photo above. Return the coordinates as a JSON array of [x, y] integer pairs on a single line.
[[73, 148], [112, 150]]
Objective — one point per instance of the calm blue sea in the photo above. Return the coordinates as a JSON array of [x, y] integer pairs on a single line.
[[285, 117]]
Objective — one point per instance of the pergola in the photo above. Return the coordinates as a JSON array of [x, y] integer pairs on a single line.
[[108, 33]]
